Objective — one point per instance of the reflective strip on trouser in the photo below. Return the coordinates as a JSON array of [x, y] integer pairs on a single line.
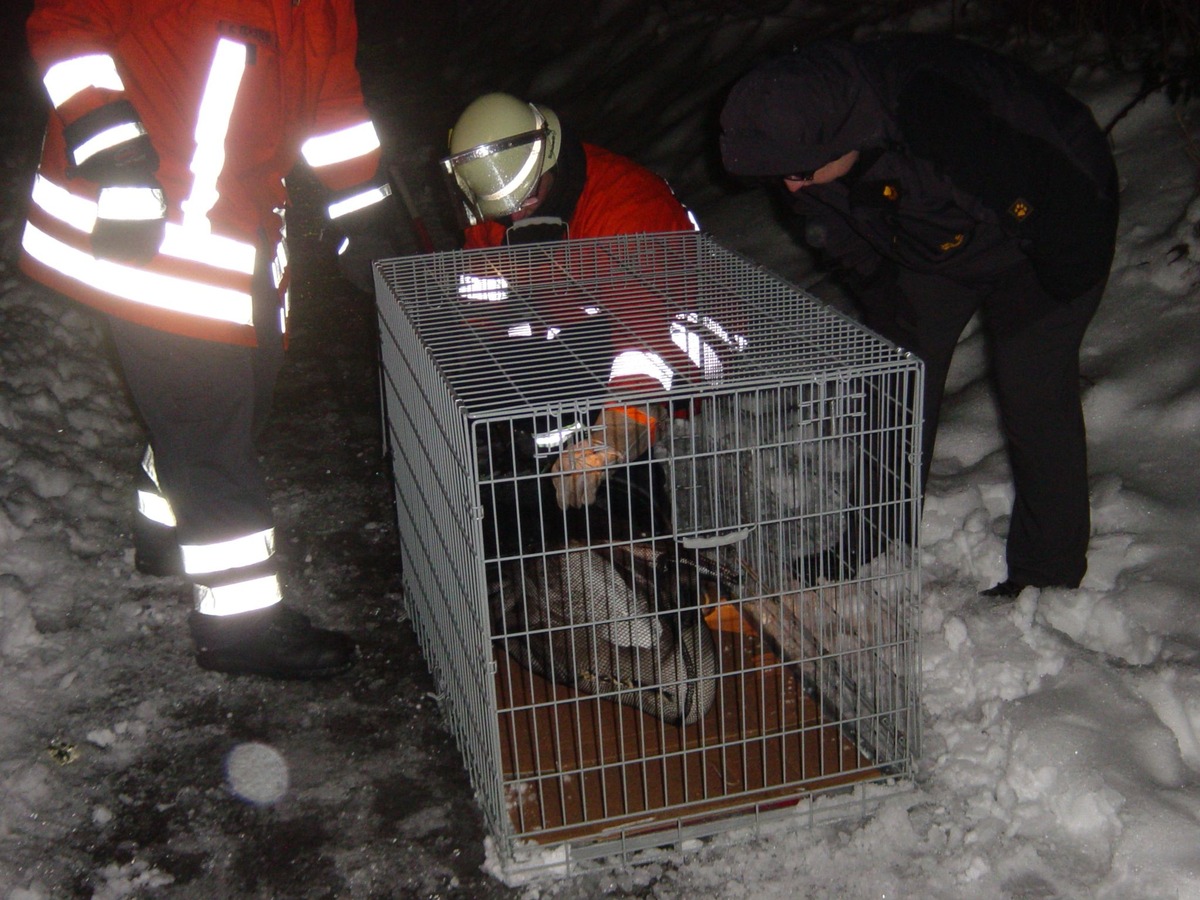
[[233, 576], [239, 597], [203, 403], [150, 501], [227, 576]]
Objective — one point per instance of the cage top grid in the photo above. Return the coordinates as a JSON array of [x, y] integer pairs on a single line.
[[514, 327]]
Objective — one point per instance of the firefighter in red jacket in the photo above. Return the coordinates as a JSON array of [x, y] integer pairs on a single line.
[[521, 176], [158, 201]]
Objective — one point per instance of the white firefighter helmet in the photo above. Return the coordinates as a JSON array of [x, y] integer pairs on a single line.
[[499, 148]]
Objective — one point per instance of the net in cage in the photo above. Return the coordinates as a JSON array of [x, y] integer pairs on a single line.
[[657, 509]]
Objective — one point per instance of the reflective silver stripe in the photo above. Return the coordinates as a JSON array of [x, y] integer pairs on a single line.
[[532, 161], [203, 247], [140, 285], [65, 79], [699, 351], [152, 504], [212, 126], [482, 151], [279, 267], [107, 139], [221, 556], [59, 203], [359, 201], [131, 204], [155, 508], [483, 288], [243, 596], [340, 146], [526, 168], [702, 351], [730, 339], [554, 440], [640, 362], [149, 467], [211, 249], [279, 264]]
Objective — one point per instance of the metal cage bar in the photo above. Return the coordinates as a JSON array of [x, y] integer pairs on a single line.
[[731, 624]]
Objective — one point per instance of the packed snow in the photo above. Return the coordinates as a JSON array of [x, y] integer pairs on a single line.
[[1061, 751]]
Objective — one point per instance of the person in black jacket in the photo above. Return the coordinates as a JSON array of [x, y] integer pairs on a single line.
[[947, 180]]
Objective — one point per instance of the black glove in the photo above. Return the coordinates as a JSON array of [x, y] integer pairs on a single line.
[[358, 253], [132, 207], [131, 222], [370, 233]]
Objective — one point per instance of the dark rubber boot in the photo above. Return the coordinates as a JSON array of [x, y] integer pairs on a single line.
[[276, 642], [1005, 590]]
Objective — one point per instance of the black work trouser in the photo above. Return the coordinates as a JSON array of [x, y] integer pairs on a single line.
[[204, 403], [1034, 345]]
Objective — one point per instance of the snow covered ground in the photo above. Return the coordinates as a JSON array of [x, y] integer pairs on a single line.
[[1062, 731]]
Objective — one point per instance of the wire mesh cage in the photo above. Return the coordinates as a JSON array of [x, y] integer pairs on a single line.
[[657, 509]]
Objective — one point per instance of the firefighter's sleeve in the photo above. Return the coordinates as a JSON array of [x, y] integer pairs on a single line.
[[105, 139], [369, 232], [621, 433], [1062, 220], [344, 151]]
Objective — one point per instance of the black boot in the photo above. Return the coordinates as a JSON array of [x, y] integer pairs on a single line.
[[1005, 590], [277, 642]]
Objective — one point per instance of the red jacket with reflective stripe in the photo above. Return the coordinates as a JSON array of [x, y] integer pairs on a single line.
[[228, 92], [619, 197]]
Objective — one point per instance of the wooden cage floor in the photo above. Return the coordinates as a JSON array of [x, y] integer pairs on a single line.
[[576, 765]]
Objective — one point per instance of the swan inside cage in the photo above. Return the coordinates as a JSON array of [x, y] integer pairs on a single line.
[[725, 623]]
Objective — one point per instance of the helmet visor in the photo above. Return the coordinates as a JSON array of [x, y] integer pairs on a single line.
[[493, 179]]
